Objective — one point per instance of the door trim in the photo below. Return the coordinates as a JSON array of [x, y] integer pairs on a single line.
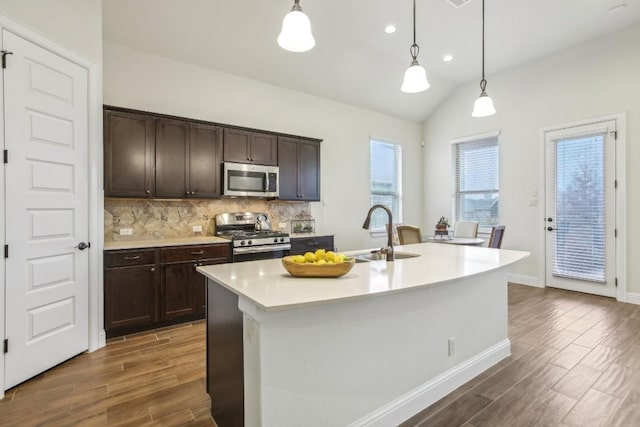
[[97, 337], [620, 197]]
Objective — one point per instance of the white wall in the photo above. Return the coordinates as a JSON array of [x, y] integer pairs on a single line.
[[594, 79], [147, 82], [74, 24]]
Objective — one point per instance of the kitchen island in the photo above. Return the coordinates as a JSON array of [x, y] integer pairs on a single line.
[[373, 347]]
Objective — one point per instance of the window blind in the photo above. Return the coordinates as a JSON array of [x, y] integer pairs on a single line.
[[476, 182], [385, 164], [580, 209]]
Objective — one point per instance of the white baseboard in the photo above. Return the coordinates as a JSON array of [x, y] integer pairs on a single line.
[[633, 298], [525, 280], [430, 392], [102, 339]]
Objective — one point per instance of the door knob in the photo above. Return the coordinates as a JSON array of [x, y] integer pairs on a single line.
[[550, 219], [82, 246], [549, 228]]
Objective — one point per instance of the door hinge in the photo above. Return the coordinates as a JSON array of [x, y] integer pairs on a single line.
[[615, 233], [6, 345], [6, 156], [4, 57], [616, 282], [6, 251]]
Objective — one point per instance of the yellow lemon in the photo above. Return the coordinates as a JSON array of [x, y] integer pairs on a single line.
[[320, 254], [309, 257], [321, 262], [299, 259], [330, 256]]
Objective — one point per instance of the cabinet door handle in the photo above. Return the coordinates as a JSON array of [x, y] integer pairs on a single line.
[[197, 253], [131, 258], [153, 269], [148, 191]]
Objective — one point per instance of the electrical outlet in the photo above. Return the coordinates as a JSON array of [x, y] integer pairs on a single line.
[[126, 231], [282, 225], [197, 229], [452, 346]]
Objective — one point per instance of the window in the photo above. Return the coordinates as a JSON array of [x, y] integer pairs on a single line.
[[386, 182], [476, 180]]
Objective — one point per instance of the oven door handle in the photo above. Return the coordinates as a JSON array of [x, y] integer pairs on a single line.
[[258, 249]]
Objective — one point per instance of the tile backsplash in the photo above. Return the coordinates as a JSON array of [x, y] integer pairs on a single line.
[[162, 219]]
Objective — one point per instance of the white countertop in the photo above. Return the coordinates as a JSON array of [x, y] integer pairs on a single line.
[[179, 241], [268, 285]]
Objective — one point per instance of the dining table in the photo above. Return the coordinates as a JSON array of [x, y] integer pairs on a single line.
[[467, 241]]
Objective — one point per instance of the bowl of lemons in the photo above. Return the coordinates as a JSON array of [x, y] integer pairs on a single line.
[[320, 263]]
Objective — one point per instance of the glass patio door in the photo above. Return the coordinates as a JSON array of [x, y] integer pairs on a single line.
[[580, 208]]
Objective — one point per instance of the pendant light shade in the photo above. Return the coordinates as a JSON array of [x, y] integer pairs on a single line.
[[295, 35], [415, 78], [483, 106]]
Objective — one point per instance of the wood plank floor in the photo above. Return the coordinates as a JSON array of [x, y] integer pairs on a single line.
[[152, 378], [575, 362]]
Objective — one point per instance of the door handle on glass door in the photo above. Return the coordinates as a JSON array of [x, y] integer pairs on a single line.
[[549, 228]]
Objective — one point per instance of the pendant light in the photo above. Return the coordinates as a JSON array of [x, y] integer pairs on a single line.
[[295, 35], [483, 106], [415, 78]]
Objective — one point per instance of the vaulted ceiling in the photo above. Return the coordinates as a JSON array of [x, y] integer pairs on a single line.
[[354, 60]]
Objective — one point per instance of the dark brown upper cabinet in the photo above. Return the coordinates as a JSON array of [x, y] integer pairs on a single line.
[[172, 149], [299, 162], [205, 154], [250, 147], [129, 147], [188, 157]]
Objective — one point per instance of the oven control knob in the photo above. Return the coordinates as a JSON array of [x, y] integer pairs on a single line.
[[282, 239], [249, 242], [242, 243], [275, 240]]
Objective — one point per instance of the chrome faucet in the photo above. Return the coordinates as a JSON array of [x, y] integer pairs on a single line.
[[388, 251]]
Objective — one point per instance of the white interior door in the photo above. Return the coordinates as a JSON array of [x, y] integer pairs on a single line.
[[580, 208], [46, 135]]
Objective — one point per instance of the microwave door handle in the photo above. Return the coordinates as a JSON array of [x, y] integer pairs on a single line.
[[266, 182]]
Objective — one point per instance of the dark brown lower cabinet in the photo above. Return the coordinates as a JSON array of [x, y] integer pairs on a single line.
[[149, 288], [131, 295]]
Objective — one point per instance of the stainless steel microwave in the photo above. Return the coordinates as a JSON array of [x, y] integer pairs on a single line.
[[250, 180]]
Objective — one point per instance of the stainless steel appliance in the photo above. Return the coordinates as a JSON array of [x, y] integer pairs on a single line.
[[250, 180], [248, 243]]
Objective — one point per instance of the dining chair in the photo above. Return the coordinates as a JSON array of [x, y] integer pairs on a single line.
[[466, 229], [408, 234], [497, 233]]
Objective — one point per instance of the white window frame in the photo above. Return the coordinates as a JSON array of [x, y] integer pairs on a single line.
[[454, 175], [397, 216]]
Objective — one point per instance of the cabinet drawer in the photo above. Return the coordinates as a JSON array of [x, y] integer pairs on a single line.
[[129, 257], [188, 253], [301, 245]]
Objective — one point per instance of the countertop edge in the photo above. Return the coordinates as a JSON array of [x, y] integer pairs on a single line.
[[148, 244]]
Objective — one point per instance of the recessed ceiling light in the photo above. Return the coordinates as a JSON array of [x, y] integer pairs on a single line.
[[617, 8], [448, 58], [390, 29]]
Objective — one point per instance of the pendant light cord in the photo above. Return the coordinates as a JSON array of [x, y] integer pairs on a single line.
[[414, 50], [483, 82]]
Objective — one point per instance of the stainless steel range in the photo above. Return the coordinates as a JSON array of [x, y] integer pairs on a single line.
[[251, 236]]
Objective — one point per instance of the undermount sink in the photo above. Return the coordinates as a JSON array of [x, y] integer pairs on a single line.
[[378, 256]]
